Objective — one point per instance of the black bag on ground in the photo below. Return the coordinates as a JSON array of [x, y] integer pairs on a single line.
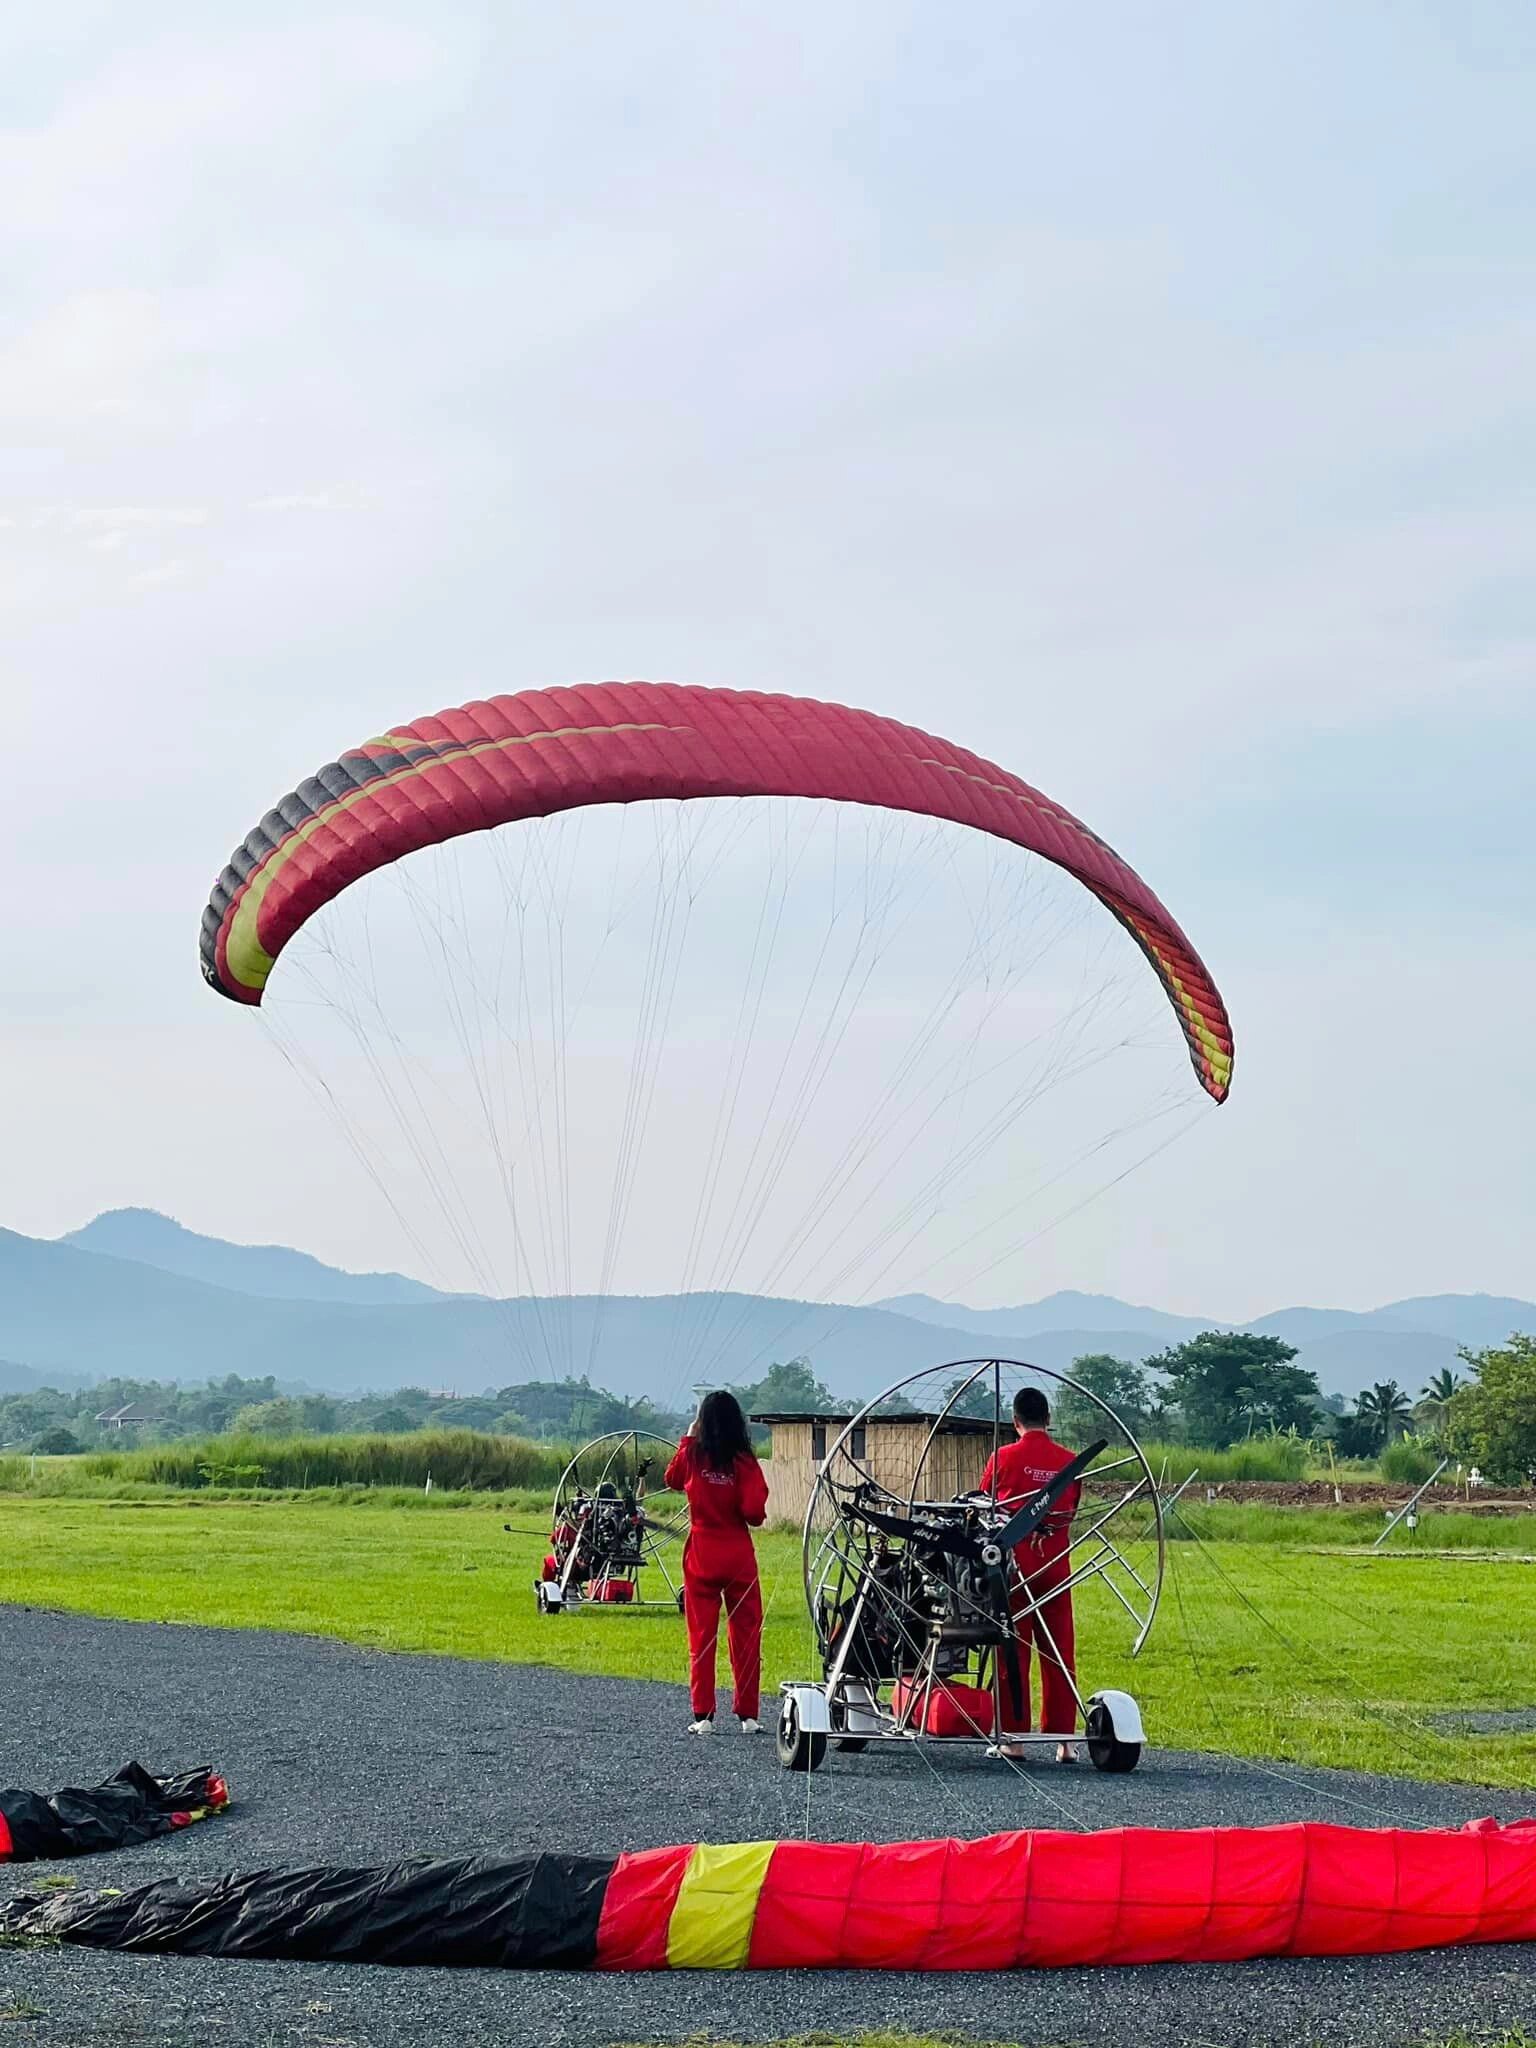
[[133, 1806]]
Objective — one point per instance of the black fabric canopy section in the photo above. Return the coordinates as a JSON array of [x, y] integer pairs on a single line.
[[132, 1807], [480, 1912]]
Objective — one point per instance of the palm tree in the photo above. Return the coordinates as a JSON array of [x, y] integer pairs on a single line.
[[1387, 1406], [1433, 1404]]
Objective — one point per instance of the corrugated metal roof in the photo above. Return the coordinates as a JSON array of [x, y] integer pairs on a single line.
[[957, 1425]]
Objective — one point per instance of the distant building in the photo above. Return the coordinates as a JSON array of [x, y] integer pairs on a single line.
[[124, 1418], [889, 1447]]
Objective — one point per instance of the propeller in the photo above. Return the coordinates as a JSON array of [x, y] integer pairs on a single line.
[[1034, 1511], [946, 1538]]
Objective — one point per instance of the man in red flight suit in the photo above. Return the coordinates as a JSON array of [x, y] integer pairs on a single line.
[[1014, 1473]]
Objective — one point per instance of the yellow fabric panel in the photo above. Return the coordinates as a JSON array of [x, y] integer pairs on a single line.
[[711, 1924], [1221, 1062]]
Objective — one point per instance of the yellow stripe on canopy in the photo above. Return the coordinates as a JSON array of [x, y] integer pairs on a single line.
[[711, 1924]]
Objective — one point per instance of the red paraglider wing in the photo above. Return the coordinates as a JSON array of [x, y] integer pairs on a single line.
[[544, 751]]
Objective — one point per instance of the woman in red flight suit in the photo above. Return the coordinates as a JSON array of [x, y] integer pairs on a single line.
[[1013, 1473], [727, 1499]]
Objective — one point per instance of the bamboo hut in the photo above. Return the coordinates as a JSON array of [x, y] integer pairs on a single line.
[[889, 1447]]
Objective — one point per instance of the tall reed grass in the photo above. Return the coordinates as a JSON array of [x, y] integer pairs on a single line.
[[1410, 1460], [456, 1461], [1261, 1457]]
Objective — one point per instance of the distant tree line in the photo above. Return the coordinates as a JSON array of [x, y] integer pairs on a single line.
[[1216, 1390], [119, 1414], [1223, 1388]]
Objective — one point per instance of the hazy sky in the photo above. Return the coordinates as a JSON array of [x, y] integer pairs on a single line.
[[1140, 395]]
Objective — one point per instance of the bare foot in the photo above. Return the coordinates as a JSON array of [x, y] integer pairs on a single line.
[[1066, 1753]]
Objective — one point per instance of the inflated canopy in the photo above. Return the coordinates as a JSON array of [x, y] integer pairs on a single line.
[[544, 751]]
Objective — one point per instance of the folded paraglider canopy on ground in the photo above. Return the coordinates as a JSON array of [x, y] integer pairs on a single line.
[[1024, 1900], [133, 1806]]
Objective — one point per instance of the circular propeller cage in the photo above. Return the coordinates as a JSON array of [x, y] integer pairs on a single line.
[[915, 1457], [612, 1522]]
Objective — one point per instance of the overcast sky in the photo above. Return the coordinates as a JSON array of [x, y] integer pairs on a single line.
[[1141, 395]]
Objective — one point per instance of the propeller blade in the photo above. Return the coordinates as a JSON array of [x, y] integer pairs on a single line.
[[949, 1542], [1034, 1511]]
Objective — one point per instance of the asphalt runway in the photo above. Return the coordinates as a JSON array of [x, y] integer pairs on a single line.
[[338, 1754]]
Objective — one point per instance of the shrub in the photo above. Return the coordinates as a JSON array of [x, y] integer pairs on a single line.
[[1409, 1461], [57, 1443]]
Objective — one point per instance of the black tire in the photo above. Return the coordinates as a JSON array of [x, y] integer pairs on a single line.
[[1105, 1751], [681, 1603], [799, 1749]]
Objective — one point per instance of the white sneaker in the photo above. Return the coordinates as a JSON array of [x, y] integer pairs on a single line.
[[704, 1727], [751, 1727]]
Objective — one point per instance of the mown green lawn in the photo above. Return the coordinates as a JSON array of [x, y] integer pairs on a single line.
[[1261, 1649]]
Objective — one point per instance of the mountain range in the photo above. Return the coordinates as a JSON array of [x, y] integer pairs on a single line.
[[136, 1294]]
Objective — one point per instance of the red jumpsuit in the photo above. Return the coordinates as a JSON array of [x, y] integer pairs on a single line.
[[719, 1563], [1013, 1473]]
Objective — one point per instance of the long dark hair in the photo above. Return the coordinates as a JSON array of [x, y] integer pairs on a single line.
[[722, 1430]]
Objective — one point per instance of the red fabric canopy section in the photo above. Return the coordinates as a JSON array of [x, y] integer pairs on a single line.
[[1044, 1899]]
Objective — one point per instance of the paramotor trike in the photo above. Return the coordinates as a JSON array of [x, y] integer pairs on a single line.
[[605, 1530], [922, 1610]]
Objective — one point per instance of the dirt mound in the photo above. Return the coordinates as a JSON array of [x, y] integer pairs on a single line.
[[1357, 1493]]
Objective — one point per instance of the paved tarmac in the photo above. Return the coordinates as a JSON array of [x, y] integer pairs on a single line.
[[337, 1754]]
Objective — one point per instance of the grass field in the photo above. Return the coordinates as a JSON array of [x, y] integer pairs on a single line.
[[1261, 1649]]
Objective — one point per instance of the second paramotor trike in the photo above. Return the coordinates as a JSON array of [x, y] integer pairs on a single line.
[[608, 1532]]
